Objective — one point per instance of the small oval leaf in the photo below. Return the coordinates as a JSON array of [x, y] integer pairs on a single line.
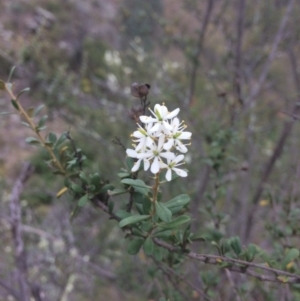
[[163, 212], [135, 245], [133, 220], [175, 222], [148, 246], [83, 200]]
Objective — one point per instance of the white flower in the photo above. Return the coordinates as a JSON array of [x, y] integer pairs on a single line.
[[153, 142], [133, 154], [155, 152], [171, 165], [161, 115], [176, 135], [144, 137]]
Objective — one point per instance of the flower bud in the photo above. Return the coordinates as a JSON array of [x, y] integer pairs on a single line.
[[139, 90]]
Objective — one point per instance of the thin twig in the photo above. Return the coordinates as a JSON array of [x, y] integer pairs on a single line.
[[286, 131], [174, 283], [278, 38], [238, 52], [237, 265], [182, 278], [195, 61], [229, 277], [16, 229]]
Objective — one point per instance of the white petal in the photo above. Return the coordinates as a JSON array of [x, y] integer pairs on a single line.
[[141, 145], [131, 153], [144, 155], [163, 165], [155, 166], [136, 166], [185, 135], [157, 107], [180, 172], [175, 124], [167, 126], [161, 141], [179, 158], [163, 112], [147, 119], [169, 175], [149, 142], [146, 164], [155, 128], [138, 134], [169, 144], [173, 113], [181, 147], [168, 155]]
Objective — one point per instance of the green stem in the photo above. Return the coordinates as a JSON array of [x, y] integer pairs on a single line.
[[155, 193]]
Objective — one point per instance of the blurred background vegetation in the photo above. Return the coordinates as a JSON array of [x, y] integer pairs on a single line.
[[232, 68]]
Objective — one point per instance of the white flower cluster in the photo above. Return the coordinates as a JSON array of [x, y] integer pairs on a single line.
[[156, 144]]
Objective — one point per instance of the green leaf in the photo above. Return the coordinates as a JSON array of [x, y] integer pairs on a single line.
[[236, 245], [135, 183], [111, 205], [146, 205], [32, 140], [123, 175], [38, 109], [61, 139], [133, 220], [137, 232], [11, 73], [175, 222], [123, 214], [76, 188], [158, 253], [83, 200], [139, 208], [26, 124], [30, 112], [138, 185], [15, 104], [41, 128], [163, 212], [251, 252], [106, 187], [84, 177], [163, 233], [42, 121], [23, 91], [135, 245], [129, 163], [116, 191], [2, 85], [291, 255], [51, 137], [148, 246], [180, 200], [96, 179]]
